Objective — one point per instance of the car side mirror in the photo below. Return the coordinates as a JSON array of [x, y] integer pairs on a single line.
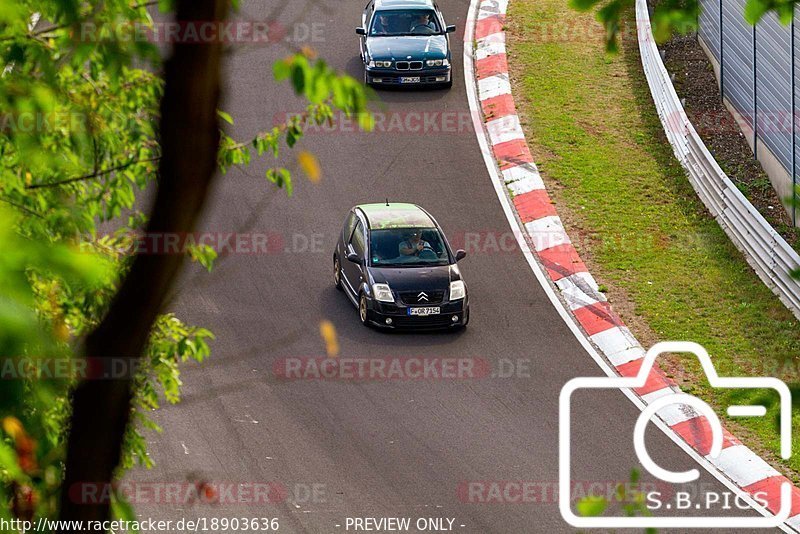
[[451, 28], [353, 257], [361, 31], [461, 254]]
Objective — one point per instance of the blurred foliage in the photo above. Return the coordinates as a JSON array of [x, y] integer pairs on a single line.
[[79, 111], [325, 91], [628, 498], [754, 10], [667, 17], [671, 16]]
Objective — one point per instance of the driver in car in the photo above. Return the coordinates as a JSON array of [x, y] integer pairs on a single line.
[[423, 21], [413, 245]]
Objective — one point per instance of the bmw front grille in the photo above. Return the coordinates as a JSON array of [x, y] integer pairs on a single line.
[[409, 65]]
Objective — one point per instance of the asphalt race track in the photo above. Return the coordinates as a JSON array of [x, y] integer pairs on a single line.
[[372, 448]]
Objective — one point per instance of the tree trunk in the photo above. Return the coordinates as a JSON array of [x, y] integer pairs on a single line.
[[189, 135]]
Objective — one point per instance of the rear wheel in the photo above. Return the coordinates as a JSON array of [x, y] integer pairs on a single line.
[[362, 310]]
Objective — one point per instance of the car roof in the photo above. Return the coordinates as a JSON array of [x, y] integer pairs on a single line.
[[396, 215], [403, 4]]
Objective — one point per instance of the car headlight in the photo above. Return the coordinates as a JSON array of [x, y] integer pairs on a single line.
[[446, 62], [381, 64], [382, 293], [457, 290], [371, 64], [435, 62]]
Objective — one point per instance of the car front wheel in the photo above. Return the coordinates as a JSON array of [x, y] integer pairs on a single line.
[[362, 310]]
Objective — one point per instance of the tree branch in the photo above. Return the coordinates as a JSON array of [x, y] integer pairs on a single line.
[[56, 27], [190, 136], [21, 207], [95, 174], [302, 118]]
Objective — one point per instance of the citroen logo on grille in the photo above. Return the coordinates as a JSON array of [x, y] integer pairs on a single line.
[[422, 296]]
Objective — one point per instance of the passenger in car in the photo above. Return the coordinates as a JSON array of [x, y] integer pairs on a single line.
[[381, 26]]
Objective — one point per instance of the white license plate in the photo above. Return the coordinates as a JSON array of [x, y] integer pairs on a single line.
[[428, 310], [414, 79]]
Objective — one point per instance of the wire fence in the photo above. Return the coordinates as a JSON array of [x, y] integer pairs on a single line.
[[764, 249], [757, 69]]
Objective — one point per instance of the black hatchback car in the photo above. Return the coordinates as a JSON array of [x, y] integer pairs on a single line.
[[394, 263], [405, 42]]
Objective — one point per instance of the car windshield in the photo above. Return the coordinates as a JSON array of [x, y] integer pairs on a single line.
[[405, 22], [407, 247]]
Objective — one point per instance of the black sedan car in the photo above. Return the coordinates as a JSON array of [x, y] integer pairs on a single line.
[[394, 263], [405, 42]]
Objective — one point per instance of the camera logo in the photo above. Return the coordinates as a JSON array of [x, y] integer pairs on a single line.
[[690, 402]]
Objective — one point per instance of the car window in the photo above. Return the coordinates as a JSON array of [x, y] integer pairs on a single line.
[[357, 241], [407, 247], [349, 224], [405, 22]]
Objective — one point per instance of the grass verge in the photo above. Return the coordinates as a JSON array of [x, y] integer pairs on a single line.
[[669, 270]]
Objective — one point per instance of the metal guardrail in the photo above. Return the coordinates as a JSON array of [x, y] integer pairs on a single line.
[[763, 248]]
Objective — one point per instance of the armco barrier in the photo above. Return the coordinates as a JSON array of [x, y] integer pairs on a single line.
[[765, 250]]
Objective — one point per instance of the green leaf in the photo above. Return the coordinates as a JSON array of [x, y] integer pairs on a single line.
[[591, 506], [298, 79], [785, 13], [292, 135], [282, 178], [754, 10], [366, 121], [225, 116], [123, 510], [281, 70], [635, 476], [9, 462], [205, 255]]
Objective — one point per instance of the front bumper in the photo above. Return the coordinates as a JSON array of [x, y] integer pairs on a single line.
[[379, 312], [394, 77]]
